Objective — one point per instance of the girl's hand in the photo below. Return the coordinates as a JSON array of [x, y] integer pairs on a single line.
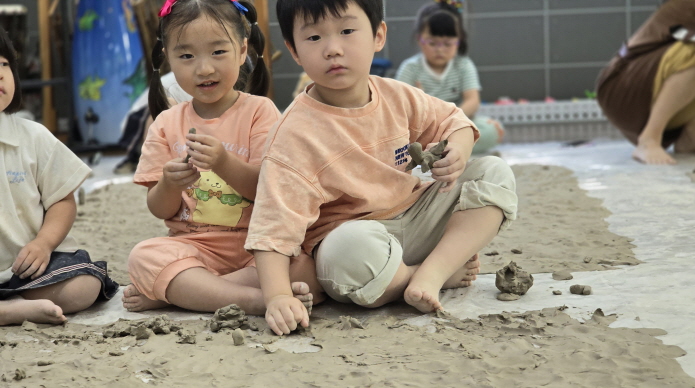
[[32, 260], [179, 174], [206, 151], [284, 312], [449, 168]]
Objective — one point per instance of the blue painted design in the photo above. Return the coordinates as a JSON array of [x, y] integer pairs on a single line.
[[108, 66]]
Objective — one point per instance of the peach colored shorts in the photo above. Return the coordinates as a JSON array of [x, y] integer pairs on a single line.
[[153, 263]]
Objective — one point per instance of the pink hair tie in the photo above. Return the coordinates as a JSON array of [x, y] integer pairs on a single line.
[[166, 8]]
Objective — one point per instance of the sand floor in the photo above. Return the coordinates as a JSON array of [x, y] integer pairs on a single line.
[[586, 209]]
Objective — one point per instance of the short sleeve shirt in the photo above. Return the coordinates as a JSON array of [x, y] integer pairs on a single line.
[[210, 204], [459, 76], [39, 171]]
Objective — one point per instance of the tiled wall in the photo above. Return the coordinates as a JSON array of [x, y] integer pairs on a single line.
[[523, 48]]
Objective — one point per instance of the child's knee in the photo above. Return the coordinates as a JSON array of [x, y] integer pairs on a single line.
[[357, 261], [489, 181], [79, 293]]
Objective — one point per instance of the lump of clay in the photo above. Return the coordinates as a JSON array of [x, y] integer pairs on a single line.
[[229, 317], [238, 337], [192, 131], [562, 275], [511, 279], [505, 297], [579, 289], [425, 159]]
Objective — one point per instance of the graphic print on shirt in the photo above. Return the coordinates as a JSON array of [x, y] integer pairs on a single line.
[[401, 155], [218, 203], [15, 177]]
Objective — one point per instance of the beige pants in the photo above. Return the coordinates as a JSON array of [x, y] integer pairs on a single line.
[[358, 260]]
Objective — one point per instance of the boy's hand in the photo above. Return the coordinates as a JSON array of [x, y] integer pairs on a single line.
[[449, 168], [179, 174], [207, 152], [284, 312], [32, 260]]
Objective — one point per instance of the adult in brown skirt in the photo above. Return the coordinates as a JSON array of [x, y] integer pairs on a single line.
[[648, 89]]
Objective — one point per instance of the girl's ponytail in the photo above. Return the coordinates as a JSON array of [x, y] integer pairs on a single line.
[[259, 82], [157, 99]]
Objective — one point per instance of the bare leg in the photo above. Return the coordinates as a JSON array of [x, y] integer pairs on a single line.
[[199, 290], [467, 232], [686, 141], [676, 93], [16, 311], [302, 269], [49, 304], [133, 300], [71, 296]]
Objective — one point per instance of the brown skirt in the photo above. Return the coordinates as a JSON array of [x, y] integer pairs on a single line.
[[625, 89]]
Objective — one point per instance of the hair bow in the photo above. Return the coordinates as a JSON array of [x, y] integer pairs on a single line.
[[166, 8]]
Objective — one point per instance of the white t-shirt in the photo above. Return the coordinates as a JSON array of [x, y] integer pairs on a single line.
[[39, 171]]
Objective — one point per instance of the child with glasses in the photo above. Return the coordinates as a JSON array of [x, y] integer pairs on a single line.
[[442, 68]]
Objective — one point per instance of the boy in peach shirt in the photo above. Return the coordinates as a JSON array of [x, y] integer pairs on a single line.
[[333, 180]]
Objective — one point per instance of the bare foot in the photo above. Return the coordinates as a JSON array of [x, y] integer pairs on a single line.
[[14, 312], [133, 300], [465, 276], [422, 298], [301, 292], [652, 153]]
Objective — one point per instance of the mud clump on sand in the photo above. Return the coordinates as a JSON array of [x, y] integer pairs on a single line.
[[562, 275], [511, 279], [579, 289], [141, 329], [229, 317], [507, 297], [238, 337]]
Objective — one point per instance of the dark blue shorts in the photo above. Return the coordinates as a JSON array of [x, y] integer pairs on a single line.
[[63, 266]]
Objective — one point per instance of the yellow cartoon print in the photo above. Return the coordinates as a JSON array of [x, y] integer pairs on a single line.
[[218, 203]]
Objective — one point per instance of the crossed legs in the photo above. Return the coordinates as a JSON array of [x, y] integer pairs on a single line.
[[49, 304], [198, 289]]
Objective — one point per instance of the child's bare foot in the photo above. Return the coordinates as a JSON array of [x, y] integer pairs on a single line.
[[652, 153], [423, 298], [465, 276], [133, 300], [14, 312], [301, 292]]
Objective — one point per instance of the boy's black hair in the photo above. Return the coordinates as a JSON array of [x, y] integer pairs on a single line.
[[7, 51], [442, 19], [315, 10], [222, 11]]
